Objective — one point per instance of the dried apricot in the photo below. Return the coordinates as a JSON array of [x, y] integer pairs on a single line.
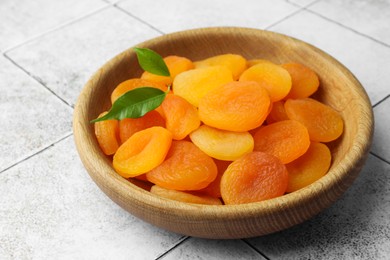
[[131, 84], [234, 62], [186, 167], [129, 126], [214, 188], [222, 144], [107, 134], [253, 62], [192, 85], [287, 140], [256, 176], [142, 152], [175, 64], [184, 196], [309, 167], [273, 77], [323, 122], [304, 80], [277, 113], [236, 106], [181, 117]]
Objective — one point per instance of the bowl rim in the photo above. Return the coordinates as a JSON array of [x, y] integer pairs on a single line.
[[139, 195]]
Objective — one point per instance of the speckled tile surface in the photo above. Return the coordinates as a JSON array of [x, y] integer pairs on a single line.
[[51, 209]]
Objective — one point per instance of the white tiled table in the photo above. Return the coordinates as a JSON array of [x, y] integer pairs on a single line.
[[50, 208]]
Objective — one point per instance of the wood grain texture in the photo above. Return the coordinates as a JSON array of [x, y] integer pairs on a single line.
[[339, 89]]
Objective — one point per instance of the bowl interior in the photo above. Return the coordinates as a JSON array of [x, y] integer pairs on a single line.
[[338, 88]]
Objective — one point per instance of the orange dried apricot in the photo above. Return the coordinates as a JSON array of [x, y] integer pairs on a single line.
[[192, 85], [256, 176], [214, 188], [131, 84], [129, 126], [304, 80], [175, 64], [323, 122], [142, 152], [181, 117], [236, 106], [222, 144], [277, 113], [253, 62], [234, 62], [273, 77], [309, 167], [287, 140], [186, 167], [107, 135], [184, 196]]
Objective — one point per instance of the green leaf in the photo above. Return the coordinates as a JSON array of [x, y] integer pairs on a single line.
[[152, 62], [134, 103]]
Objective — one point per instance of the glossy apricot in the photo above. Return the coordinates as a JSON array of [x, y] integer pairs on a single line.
[[287, 140], [192, 85], [323, 122], [107, 135], [272, 77], [236, 106], [234, 62], [175, 64], [142, 152], [309, 167], [181, 117], [186, 167], [222, 144], [255, 177], [131, 84], [184, 196], [129, 126], [304, 80]]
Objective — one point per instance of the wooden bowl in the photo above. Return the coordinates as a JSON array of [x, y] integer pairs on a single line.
[[339, 89]]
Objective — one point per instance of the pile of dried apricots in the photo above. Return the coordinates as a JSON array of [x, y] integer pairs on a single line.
[[231, 131]]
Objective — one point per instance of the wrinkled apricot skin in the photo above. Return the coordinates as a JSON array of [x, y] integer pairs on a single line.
[[234, 62], [304, 80], [236, 106], [107, 134], [192, 85], [309, 167], [277, 113], [287, 140], [272, 77], [214, 188], [181, 117], [255, 177], [129, 126], [131, 84], [175, 64], [186, 167], [222, 144], [142, 152], [184, 196], [323, 123]]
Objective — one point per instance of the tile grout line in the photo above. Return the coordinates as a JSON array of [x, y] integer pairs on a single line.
[[348, 28], [60, 26], [137, 18], [379, 157], [255, 249], [181, 241], [38, 152], [381, 101], [38, 81]]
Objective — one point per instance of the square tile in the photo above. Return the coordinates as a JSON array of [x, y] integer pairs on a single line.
[[371, 18], [23, 19], [182, 15], [195, 248], [69, 56], [368, 60], [32, 117], [355, 227], [381, 142], [51, 209]]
